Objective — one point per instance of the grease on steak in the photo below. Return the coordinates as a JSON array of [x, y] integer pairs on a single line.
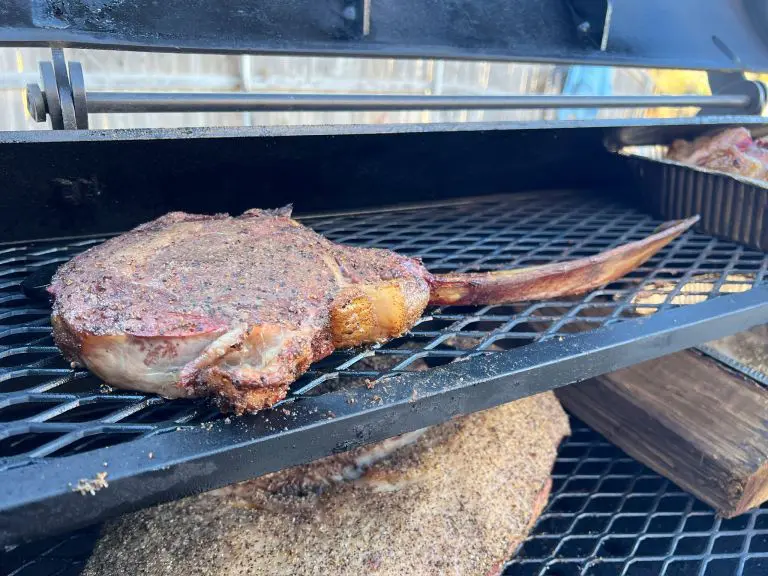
[[235, 308]]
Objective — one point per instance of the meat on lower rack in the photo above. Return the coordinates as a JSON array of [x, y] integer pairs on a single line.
[[456, 498]]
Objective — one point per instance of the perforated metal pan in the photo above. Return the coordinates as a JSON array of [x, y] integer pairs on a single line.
[[731, 207]]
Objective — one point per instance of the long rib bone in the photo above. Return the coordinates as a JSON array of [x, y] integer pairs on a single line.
[[552, 280]]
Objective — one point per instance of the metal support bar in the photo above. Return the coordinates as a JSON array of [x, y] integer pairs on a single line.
[[735, 83], [107, 102], [64, 99]]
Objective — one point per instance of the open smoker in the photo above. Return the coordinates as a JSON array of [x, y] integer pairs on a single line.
[[461, 197]]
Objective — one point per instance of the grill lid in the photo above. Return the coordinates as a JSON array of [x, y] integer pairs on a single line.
[[703, 34]]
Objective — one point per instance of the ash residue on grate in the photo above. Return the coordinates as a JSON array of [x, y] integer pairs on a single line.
[[47, 410]]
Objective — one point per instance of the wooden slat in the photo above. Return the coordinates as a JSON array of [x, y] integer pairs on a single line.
[[688, 418]]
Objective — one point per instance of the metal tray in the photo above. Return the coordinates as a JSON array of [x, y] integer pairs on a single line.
[[730, 206], [607, 515], [57, 427]]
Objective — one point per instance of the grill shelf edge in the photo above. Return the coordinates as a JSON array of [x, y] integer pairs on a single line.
[[56, 428]]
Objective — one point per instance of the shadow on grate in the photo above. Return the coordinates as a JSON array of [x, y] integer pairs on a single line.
[[62, 555], [609, 514], [47, 409]]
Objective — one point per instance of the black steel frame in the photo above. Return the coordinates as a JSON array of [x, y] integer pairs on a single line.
[[36, 493], [705, 34], [79, 191], [37, 500], [70, 182], [73, 182]]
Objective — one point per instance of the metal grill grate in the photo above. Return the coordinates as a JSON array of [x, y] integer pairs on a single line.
[[49, 411], [56, 556], [608, 515]]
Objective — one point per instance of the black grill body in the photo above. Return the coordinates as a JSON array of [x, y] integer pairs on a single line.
[[476, 200]]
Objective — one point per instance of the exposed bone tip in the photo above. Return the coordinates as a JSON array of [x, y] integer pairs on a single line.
[[555, 279], [683, 224]]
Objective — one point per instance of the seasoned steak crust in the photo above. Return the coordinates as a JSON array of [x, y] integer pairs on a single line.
[[238, 308], [234, 308]]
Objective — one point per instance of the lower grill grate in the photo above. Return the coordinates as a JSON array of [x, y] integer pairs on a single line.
[[608, 515], [49, 412]]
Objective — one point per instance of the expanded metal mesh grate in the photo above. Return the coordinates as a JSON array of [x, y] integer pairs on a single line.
[[55, 556], [610, 515], [607, 515], [48, 410]]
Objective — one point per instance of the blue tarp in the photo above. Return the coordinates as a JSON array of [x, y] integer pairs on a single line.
[[586, 81]]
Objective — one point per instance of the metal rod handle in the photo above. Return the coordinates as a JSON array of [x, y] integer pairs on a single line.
[[67, 90], [126, 102]]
